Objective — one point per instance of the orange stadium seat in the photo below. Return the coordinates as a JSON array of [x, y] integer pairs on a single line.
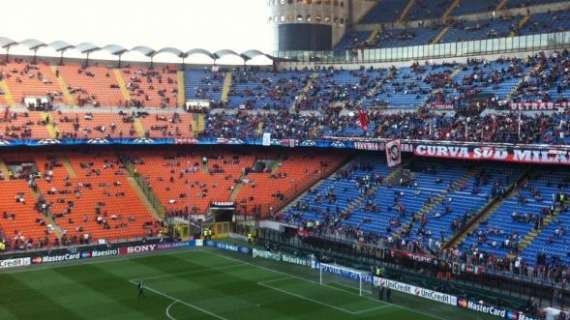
[[103, 203], [81, 125], [177, 125], [22, 125], [156, 87], [296, 173], [19, 220], [25, 79], [181, 183], [94, 85]]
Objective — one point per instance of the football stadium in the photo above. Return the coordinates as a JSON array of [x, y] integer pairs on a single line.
[[285, 159]]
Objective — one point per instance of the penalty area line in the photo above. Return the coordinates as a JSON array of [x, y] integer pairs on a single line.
[[430, 315], [176, 300], [341, 309], [168, 310]]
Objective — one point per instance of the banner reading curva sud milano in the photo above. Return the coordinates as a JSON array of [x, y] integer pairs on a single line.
[[507, 154]]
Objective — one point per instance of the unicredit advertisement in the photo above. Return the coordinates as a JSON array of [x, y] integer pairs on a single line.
[[416, 291]]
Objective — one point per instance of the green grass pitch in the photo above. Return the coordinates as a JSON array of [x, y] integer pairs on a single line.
[[196, 284]]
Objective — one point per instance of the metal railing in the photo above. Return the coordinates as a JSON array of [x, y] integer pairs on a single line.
[[145, 187]]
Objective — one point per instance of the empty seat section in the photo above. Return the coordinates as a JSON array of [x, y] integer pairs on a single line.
[[79, 125], [19, 220], [30, 80], [152, 87], [94, 85]]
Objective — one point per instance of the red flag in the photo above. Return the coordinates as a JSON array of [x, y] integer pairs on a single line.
[[363, 120]]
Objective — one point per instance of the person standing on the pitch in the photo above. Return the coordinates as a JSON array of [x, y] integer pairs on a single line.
[[140, 286], [388, 294]]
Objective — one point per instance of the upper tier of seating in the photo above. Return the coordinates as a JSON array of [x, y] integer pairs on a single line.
[[28, 80], [454, 27], [95, 85], [428, 9], [254, 89], [385, 11], [389, 11], [157, 87], [547, 22], [203, 84], [267, 90], [470, 7]]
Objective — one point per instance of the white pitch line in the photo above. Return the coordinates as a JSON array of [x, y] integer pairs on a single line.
[[266, 284], [384, 306], [193, 306], [293, 276], [341, 309], [168, 310], [276, 280], [349, 292]]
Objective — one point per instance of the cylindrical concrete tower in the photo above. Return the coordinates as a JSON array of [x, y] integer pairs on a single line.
[[308, 24]]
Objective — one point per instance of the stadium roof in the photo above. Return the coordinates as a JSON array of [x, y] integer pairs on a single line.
[[115, 49]]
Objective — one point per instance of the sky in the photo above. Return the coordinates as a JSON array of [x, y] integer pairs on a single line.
[[185, 24]]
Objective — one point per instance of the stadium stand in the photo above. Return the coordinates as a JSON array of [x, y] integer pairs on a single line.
[[156, 87], [501, 217], [425, 9], [385, 11], [21, 225], [203, 84], [30, 80], [188, 183], [471, 7], [23, 125], [92, 86], [90, 198], [252, 89], [546, 23], [482, 29], [487, 20], [89, 125]]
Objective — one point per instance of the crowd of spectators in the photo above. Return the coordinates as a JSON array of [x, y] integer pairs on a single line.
[[508, 127], [151, 86]]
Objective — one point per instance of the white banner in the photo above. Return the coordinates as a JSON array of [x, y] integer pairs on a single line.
[[266, 255], [416, 291], [538, 105], [266, 139], [346, 272], [14, 263], [393, 153]]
